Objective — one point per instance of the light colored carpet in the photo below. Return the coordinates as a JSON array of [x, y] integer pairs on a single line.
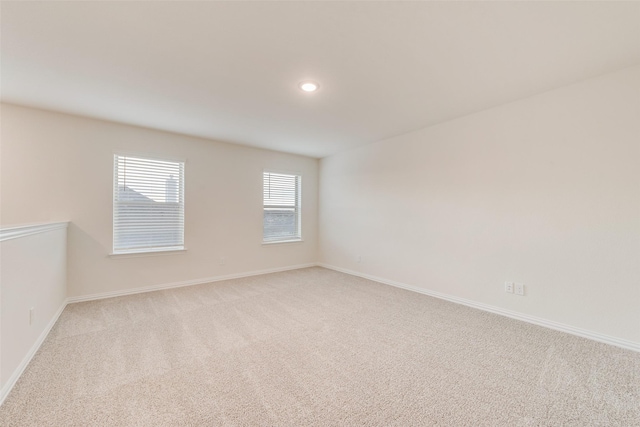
[[315, 347]]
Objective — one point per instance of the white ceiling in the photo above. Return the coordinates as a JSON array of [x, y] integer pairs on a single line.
[[229, 70]]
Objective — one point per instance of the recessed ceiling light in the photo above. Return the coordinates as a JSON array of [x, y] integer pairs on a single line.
[[309, 86]]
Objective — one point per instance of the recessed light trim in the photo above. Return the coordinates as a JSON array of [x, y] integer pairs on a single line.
[[309, 86]]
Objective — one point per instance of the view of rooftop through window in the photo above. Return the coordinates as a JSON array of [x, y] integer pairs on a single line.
[[148, 180]]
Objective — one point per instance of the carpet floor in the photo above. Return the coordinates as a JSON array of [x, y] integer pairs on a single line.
[[315, 347]]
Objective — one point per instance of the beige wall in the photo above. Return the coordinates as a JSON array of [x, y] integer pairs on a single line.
[[544, 191], [33, 275], [60, 167]]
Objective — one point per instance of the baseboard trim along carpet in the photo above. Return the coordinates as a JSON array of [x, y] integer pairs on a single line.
[[159, 287], [13, 379], [618, 342]]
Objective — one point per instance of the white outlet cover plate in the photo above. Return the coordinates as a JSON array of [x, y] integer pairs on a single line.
[[508, 287]]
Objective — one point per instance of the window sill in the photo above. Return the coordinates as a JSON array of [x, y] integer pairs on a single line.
[[277, 242], [120, 255]]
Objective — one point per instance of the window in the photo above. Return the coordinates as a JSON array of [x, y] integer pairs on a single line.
[[281, 220], [148, 205]]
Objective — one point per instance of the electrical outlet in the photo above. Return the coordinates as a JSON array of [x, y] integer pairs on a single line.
[[519, 288], [31, 314], [508, 287], [359, 259], [223, 260]]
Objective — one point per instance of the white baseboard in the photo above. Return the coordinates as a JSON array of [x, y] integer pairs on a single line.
[[4, 392], [618, 342], [152, 288]]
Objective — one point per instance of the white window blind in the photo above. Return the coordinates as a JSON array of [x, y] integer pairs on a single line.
[[281, 220], [148, 205]]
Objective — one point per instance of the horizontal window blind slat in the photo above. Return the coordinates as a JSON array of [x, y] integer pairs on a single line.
[[146, 230], [150, 242], [132, 163], [128, 184], [141, 220], [143, 169], [134, 249], [148, 165], [147, 208], [138, 228], [150, 235], [148, 212]]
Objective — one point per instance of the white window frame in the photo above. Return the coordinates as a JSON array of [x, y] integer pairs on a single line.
[[298, 208], [148, 250]]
